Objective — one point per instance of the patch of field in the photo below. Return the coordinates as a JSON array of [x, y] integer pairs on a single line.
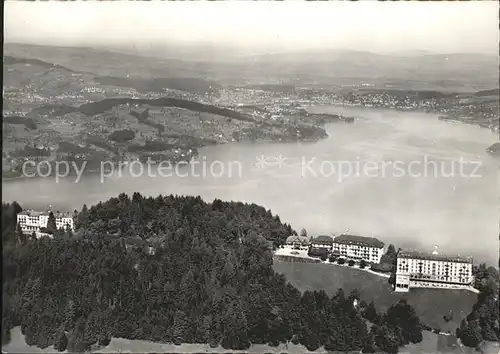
[[434, 344], [17, 344], [430, 304]]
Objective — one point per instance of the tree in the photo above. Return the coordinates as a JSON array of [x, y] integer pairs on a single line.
[[363, 264], [351, 263], [392, 279], [341, 261], [354, 295], [76, 342], [6, 327], [390, 257], [332, 258], [69, 232], [59, 233], [369, 343], [303, 232], [371, 314], [179, 328], [470, 333], [51, 224], [82, 217], [386, 338], [403, 315], [203, 330], [104, 340], [235, 330], [391, 250], [61, 341], [21, 237]]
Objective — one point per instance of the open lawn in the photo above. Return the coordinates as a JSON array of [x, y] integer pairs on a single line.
[[430, 304], [435, 344]]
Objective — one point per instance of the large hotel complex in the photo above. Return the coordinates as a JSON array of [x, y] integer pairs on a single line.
[[413, 269], [357, 248], [343, 246], [432, 270], [33, 221]]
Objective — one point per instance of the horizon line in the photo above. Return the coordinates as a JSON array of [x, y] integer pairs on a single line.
[[151, 52]]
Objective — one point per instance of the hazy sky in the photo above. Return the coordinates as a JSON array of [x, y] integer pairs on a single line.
[[290, 25]]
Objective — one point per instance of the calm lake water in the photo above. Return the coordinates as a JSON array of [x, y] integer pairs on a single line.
[[392, 175]]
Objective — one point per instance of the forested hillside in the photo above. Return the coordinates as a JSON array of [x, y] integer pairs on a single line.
[[210, 280], [177, 220]]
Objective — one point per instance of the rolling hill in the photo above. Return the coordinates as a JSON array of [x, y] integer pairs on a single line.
[[459, 71]]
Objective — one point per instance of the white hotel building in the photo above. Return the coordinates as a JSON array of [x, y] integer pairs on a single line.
[[32, 221], [432, 270], [358, 247]]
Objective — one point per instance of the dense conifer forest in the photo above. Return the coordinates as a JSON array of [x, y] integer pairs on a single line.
[[178, 270]]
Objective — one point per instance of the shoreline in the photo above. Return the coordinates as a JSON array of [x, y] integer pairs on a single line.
[[300, 141], [414, 110]]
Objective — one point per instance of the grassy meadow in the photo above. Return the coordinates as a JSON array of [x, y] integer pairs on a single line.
[[430, 304]]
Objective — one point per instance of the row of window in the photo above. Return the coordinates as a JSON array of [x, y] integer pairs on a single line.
[[434, 263], [443, 278], [447, 274], [435, 285]]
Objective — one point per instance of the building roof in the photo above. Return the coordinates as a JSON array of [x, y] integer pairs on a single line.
[[44, 213], [32, 213], [359, 240], [299, 239], [434, 257], [322, 239]]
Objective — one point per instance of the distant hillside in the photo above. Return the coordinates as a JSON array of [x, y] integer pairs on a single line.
[[28, 122], [471, 72], [8, 60], [192, 85], [104, 62], [144, 85], [283, 88], [94, 108], [494, 92], [419, 94]]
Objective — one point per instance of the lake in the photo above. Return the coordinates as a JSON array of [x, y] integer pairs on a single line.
[[404, 177]]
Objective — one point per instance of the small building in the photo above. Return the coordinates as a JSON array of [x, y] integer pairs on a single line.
[[33, 221], [297, 242], [322, 241], [432, 270], [357, 248]]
